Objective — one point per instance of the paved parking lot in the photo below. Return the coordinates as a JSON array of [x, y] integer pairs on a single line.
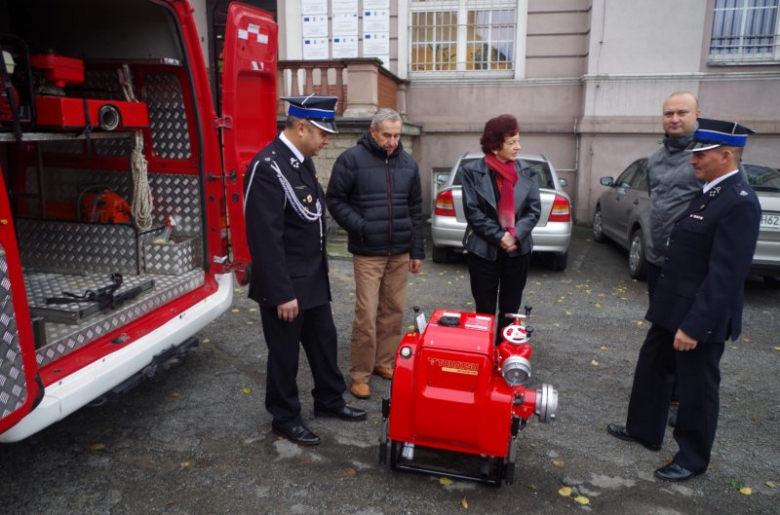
[[199, 442]]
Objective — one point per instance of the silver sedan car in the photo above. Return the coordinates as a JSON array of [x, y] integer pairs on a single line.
[[551, 235], [623, 216]]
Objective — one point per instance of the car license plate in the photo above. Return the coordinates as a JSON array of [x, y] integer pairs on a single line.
[[770, 221]]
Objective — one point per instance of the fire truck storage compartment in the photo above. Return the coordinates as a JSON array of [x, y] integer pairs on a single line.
[[53, 169]]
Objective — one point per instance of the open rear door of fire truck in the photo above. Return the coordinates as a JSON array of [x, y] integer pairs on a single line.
[[248, 109], [19, 388]]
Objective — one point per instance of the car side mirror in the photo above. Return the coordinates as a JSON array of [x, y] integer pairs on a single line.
[[607, 181], [563, 182], [442, 178]]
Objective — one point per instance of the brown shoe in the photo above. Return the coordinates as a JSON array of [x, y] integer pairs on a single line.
[[385, 372], [360, 390]]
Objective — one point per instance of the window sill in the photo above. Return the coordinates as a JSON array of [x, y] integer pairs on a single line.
[[743, 61]]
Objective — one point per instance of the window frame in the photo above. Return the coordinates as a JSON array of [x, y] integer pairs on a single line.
[[741, 57], [462, 9]]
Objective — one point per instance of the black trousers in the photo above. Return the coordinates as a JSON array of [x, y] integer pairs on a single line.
[[501, 281], [315, 330], [698, 376]]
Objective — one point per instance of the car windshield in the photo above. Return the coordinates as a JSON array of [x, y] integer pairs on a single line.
[[542, 171], [763, 178]]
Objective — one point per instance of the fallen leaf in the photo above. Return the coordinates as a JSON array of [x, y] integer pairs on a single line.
[[235, 310], [350, 472], [206, 340], [777, 349], [771, 484], [746, 490], [175, 394], [411, 327], [558, 462], [580, 499], [246, 391], [97, 447], [746, 340], [445, 481], [604, 347], [169, 502], [184, 464], [598, 306], [565, 491], [569, 313], [252, 310], [594, 363], [638, 322], [464, 503], [532, 486]]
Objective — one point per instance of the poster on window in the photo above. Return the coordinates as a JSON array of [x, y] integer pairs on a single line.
[[376, 44], [344, 6], [309, 7], [376, 4], [376, 21], [344, 47], [345, 24], [315, 48], [315, 26]]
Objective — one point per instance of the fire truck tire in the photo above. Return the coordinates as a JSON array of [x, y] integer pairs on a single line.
[[382, 453]]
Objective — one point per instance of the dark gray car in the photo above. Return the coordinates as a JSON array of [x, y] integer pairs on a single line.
[[623, 214]]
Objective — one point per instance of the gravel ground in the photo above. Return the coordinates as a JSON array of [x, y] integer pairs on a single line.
[[199, 442]]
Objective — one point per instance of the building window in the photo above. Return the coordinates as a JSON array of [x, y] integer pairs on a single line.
[[745, 31], [462, 36]]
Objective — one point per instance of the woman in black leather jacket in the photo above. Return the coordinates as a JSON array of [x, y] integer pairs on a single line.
[[502, 205]]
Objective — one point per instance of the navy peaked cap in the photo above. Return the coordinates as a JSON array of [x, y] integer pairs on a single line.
[[319, 110], [715, 133]]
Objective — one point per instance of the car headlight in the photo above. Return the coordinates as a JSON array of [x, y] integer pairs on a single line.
[[516, 370]]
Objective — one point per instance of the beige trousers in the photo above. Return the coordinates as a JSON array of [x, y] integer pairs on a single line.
[[380, 292]]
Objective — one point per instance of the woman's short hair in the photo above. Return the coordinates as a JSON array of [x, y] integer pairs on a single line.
[[497, 130]]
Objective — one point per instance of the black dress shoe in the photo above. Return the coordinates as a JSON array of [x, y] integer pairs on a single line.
[[623, 434], [675, 473], [297, 434], [345, 413]]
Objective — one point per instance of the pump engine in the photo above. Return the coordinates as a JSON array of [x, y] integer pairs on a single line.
[[455, 394]]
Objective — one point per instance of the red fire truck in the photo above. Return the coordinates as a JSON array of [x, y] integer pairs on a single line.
[[121, 192]]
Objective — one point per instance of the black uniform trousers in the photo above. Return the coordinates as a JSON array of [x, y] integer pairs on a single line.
[[502, 281], [315, 330], [698, 377]]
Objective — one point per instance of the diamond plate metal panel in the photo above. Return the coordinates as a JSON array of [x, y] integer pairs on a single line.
[[13, 387], [172, 258], [167, 116], [174, 194], [63, 338], [103, 84], [51, 244]]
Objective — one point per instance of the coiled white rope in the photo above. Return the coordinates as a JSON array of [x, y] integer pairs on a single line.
[[143, 202]]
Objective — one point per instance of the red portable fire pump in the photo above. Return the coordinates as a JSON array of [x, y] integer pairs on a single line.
[[455, 392]]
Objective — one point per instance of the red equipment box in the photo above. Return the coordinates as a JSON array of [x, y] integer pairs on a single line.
[[58, 69], [109, 115]]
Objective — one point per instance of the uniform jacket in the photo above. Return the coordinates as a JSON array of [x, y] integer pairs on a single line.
[[483, 233], [377, 199], [289, 259], [701, 286], [672, 185]]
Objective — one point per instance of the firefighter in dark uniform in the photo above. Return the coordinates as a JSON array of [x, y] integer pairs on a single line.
[[285, 225], [697, 305]]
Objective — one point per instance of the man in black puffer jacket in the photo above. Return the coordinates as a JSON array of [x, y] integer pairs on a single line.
[[374, 193]]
